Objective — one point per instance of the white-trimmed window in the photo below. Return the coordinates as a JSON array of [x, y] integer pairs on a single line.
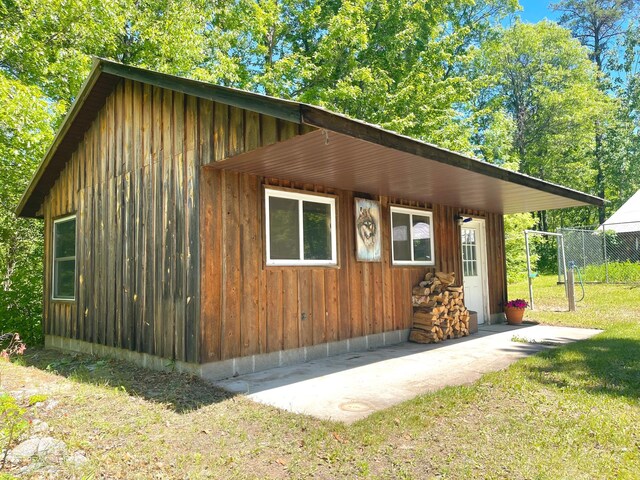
[[412, 235], [64, 258], [300, 228]]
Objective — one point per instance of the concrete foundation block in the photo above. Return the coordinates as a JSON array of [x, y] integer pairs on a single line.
[[339, 347], [316, 351], [233, 367], [266, 361], [291, 357], [404, 335], [375, 340], [357, 344], [243, 365], [217, 370]]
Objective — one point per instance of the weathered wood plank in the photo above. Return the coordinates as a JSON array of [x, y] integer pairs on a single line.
[[138, 254], [220, 132], [319, 315], [89, 270], [291, 315], [117, 258], [178, 167], [346, 256], [111, 224], [168, 233], [80, 270], [286, 130], [147, 302], [128, 265], [251, 130], [231, 299], [236, 131], [191, 270], [211, 262], [275, 318], [305, 308], [248, 275], [268, 130]]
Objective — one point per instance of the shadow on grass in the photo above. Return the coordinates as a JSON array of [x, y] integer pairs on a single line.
[[180, 392], [607, 364]]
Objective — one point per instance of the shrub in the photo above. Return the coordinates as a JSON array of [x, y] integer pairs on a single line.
[[12, 424]]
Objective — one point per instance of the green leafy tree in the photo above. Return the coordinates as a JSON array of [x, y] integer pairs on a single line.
[[25, 132], [599, 25], [515, 249], [49, 43], [542, 79], [394, 63]]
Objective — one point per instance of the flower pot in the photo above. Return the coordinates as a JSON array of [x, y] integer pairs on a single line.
[[514, 315]]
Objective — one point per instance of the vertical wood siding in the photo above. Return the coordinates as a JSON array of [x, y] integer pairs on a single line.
[[170, 252], [132, 184], [248, 308]]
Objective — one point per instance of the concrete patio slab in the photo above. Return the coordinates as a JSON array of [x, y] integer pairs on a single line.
[[349, 387]]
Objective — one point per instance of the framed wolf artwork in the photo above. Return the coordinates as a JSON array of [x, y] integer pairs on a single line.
[[368, 238]]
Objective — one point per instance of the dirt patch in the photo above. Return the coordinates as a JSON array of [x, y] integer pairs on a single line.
[[179, 392]]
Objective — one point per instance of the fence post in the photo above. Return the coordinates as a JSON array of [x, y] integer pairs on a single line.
[[564, 265], [584, 253], [560, 272], [526, 241], [606, 260], [570, 290]]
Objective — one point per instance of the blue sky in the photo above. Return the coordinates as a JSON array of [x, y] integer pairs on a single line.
[[536, 10]]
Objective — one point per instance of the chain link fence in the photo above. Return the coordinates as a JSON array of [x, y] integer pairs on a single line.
[[609, 253]]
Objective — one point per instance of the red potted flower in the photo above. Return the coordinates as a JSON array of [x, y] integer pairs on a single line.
[[514, 310]]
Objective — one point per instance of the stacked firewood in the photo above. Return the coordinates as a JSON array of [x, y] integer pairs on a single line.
[[438, 309]]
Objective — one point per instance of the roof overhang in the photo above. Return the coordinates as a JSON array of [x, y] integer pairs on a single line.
[[343, 153], [342, 161]]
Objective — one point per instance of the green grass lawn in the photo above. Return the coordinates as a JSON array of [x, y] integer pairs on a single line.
[[571, 412]]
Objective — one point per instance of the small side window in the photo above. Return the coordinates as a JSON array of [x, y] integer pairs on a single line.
[[64, 258]]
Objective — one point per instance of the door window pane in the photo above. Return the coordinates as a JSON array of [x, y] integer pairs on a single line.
[[469, 253], [316, 220]]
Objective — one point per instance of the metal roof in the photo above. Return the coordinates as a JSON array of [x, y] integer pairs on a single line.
[[342, 153], [627, 217]]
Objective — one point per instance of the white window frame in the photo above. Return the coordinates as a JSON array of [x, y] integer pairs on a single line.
[[268, 193], [411, 212], [54, 259]]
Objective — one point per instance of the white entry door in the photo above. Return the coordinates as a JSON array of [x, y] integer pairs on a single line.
[[474, 268]]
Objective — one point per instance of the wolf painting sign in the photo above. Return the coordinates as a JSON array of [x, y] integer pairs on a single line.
[[368, 240]]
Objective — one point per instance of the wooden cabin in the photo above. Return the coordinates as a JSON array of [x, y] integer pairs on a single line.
[[217, 228]]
